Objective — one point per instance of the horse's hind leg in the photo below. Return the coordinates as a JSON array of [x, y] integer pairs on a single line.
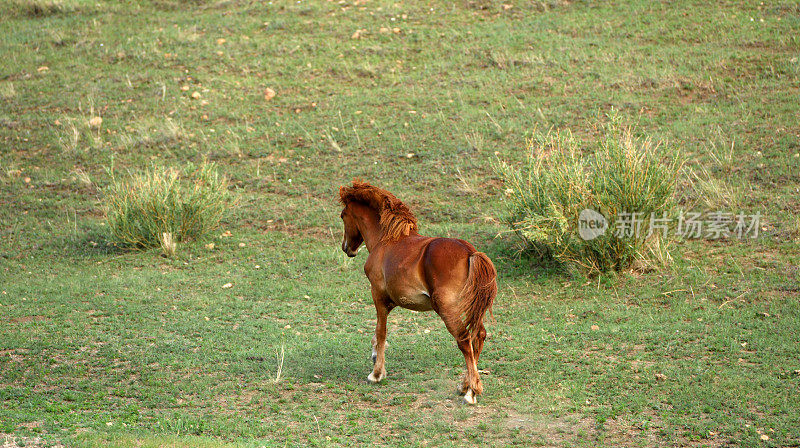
[[477, 342], [382, 308], [472, 383]]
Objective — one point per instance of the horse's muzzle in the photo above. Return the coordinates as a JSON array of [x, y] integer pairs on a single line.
[[346, 250]]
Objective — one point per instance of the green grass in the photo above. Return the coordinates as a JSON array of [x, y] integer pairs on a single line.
[[106, 347]]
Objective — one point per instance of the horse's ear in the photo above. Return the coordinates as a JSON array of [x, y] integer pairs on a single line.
[[343, 194]]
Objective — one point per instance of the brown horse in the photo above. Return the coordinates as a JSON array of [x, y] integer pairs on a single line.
[[420, 273]]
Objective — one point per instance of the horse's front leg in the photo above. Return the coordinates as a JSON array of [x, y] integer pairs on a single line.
[[382, 308]]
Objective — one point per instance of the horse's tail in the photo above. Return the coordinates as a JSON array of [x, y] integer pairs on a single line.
[[479, 292]]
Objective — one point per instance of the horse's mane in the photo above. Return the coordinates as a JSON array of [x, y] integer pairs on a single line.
[[396, 220]]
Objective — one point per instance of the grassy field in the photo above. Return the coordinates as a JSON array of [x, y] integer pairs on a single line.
[[105, 347]]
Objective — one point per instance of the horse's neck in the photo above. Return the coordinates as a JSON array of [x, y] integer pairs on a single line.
[[370, 229]]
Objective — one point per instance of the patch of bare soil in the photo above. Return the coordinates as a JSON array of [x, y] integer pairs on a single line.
[[553, 431]]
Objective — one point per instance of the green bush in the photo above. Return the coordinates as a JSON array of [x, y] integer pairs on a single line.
[[165, 206], [620, 173]]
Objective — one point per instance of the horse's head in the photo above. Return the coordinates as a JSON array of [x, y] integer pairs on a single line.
[[352, 236]]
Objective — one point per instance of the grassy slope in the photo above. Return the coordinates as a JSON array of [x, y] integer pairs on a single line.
[[102, 345]]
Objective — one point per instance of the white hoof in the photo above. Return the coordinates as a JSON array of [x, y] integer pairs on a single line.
[[469, 397], [375, 379]]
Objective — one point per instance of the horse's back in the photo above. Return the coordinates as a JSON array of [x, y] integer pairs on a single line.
[[423, 266], [446, 263], [447, 250]]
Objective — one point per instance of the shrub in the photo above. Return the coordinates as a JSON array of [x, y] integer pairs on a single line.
[[620, 174], [165, 206]]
